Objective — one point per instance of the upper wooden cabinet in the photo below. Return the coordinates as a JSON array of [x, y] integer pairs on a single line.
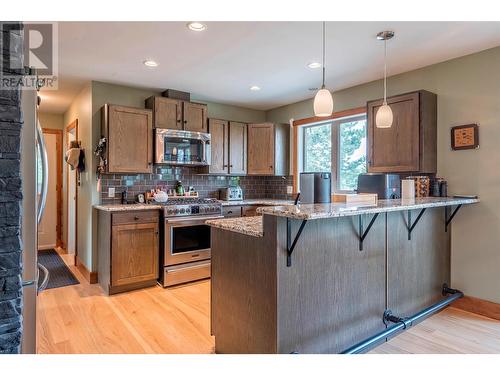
[[167, 112], [237, 148], [219, 146], [195, 117], [129, 134], [177, 114], [268, 149], [228, 147], [409, 145]]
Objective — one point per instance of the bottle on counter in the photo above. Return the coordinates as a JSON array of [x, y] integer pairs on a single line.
[[443, 188], [179, 189]]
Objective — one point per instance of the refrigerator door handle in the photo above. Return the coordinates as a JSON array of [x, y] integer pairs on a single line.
[[45, 172], [45, 279]]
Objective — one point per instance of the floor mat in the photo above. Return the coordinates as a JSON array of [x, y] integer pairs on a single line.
[[59, 274]]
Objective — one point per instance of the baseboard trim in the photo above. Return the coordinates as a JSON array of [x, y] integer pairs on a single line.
[[478, 306], [91, 277]]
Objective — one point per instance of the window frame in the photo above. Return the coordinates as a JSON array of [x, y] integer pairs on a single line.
[[298, 157]]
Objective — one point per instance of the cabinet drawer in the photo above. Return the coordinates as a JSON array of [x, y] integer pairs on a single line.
[[231, 211], [135, 217], [249, 211]]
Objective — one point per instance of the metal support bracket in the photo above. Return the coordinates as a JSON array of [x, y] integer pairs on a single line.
[[411, 226], [449, 219], [290, 246], [363, 234]]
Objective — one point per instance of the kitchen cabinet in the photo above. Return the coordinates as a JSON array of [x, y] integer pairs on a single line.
[[194, 117], [409, 145], [231, 211], [128, 250], [178, 114], [167, 112], [247, 211], [237, 148], [219, 146], [268, 149], [228, 147], [129, 135]]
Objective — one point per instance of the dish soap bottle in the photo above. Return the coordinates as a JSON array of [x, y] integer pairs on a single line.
[[179, 189]]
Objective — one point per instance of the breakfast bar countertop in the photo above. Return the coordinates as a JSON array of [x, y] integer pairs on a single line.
[[257, 202], [332, 210], [251, 226]]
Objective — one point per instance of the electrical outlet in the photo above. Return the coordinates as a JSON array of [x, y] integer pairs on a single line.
[[111, 192], [289, 189]]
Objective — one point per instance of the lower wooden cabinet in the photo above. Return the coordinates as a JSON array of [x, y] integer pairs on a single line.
[[239, 211], [249, 211], [128, 250]]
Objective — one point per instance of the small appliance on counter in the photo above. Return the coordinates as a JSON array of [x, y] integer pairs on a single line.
[[231, 193], [315, 187], [385, 185]]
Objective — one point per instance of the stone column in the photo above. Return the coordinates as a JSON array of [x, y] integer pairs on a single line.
[[10, 203]]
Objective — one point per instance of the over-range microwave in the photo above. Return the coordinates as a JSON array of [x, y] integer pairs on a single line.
[[179, 147]]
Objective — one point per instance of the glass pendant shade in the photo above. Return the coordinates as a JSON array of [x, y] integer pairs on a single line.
[[323, 103], [383, 118]]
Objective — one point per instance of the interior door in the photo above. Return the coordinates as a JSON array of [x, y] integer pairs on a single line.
[[219, 146], [261, 149], [237, 148], [71, 201], [47, 233]]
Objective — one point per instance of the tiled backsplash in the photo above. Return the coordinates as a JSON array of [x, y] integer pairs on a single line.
[[206, 185]]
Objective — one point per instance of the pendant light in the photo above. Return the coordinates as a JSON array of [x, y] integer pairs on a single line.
[[384, 117], [323, 101]]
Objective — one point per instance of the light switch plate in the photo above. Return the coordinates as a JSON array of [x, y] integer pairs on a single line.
[[289, 189], [111, 192]]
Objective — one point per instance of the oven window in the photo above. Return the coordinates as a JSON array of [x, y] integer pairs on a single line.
[[183, 150], [189, 238]]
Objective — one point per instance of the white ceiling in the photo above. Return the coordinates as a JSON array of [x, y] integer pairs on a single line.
[[221, 63]]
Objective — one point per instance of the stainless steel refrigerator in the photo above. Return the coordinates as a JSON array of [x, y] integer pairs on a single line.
[[34, 171]]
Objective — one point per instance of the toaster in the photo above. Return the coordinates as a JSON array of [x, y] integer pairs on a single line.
[[232, 193]]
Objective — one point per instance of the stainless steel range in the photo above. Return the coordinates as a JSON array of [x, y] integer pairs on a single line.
[[186, 253]]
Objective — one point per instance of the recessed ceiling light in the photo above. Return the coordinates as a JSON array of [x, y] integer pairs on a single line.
[[150, 63], [314, 65], [196, 26], [254, 88]]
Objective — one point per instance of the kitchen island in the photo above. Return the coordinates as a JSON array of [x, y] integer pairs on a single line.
[[318, 278]]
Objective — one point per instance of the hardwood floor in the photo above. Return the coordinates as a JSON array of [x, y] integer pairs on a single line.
[[81, 319]]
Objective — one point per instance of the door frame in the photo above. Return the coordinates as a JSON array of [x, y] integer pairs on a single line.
[[59, 162], [69, 128]]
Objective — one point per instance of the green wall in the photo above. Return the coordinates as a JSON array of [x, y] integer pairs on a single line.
[[468, 90]]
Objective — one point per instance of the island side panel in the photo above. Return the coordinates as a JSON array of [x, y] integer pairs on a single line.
[[243, 292], [333, 295], [417, 268]]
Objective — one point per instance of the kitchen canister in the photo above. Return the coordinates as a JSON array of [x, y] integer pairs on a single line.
[[407, 188]]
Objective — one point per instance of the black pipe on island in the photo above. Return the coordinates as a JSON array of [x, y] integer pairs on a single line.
[[403, 323]]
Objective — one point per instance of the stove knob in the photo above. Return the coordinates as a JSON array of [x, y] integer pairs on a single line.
[[182, 210], [170, 211], [176, 211]]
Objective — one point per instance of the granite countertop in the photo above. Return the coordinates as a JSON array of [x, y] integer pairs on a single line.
[[251, 225], [257, 202], [127, 207], [332, 210], [152, 206]]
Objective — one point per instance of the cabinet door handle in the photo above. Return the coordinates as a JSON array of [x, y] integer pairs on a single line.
[[136, 218], [231, 166], [179, 121], [185, 122], [229, 212]]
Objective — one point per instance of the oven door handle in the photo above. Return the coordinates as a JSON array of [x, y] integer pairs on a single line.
[[191, 219]]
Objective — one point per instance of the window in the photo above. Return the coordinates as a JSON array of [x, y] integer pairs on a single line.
[[337, 146]]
